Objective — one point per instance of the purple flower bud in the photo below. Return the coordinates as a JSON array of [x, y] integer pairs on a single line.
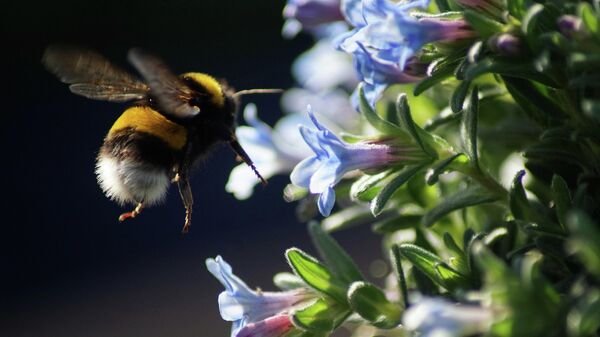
[[506, 44], [309, 14], [569, 25]]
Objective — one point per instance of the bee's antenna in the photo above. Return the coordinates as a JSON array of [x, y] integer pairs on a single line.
[[257, 91], [237, 148]]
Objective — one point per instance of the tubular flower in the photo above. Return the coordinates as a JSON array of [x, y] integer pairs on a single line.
[[333, 158], [276, 326], [274, 151], [251, 310], [309, 14], [386, 37], [436, 317]]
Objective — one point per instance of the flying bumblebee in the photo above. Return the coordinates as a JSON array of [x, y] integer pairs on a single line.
[[174, 122]]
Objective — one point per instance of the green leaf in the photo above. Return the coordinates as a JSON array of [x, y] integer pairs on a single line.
[[396, 258], [378, 203], [334, 256], [590, 21], [288, 281], [315, 274], [469, 197], [370, 303], [323, 315], [585, 240], [396, 223], [562, 199], [403, 111], [468, 130], [539, 107], [441, 70], [482, 24], [516, 8], [440, 167], [458, 96], [366, 187], [507, 67], [538, 20], [432, 266], [519, 204], [373, 118]]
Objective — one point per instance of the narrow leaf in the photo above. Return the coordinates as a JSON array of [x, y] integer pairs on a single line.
[[370, 303], [315, 274], [562, 199], [429, 264], [366, 187], [396, 223], [406, 119], [469, 197], [440, 167], [322, 316], [378, 203], [485, 26], [373, 118], [459, 95], [399, 271], [441, 71], [334, 256], [468, 130]]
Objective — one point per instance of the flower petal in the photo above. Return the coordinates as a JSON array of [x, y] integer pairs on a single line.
[[301, 174], [326, 201], [229, 308], [328, 174]]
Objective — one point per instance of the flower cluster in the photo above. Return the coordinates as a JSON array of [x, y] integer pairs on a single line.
[[405, 114]]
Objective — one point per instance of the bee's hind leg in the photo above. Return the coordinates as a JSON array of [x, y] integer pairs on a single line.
[[186, 195], [136, 211]]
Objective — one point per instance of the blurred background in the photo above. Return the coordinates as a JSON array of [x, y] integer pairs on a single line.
[[68, 267]]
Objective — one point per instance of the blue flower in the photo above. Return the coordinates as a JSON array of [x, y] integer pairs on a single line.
[[333, 158], [309, 14], [274, 151], [438, 317], [243, 306], [386, 37], [323, 68]]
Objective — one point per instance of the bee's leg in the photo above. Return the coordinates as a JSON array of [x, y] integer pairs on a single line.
[[186, 195], [136, 211]]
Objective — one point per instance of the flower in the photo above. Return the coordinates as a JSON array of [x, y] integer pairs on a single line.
[[437, 317], [386, 37], [276, 326], [309, 14], [333, 158], [323, 68], [274, 151], [246, 308], [376, 73]]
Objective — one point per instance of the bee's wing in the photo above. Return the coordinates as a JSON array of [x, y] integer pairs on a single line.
[[91, 75], [170, 92]]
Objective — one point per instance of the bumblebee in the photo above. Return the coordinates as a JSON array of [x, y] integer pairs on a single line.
[[172, 123]]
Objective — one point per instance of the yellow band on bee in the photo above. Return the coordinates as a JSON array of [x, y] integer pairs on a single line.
[[211, 85], [148, 120]]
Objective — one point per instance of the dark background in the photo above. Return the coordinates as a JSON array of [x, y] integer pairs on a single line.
[[68, 267]]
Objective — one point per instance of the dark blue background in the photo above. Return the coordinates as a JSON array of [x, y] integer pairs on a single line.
[[68, 267]]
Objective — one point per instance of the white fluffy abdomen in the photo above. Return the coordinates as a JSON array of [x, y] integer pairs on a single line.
[[126, 181]]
